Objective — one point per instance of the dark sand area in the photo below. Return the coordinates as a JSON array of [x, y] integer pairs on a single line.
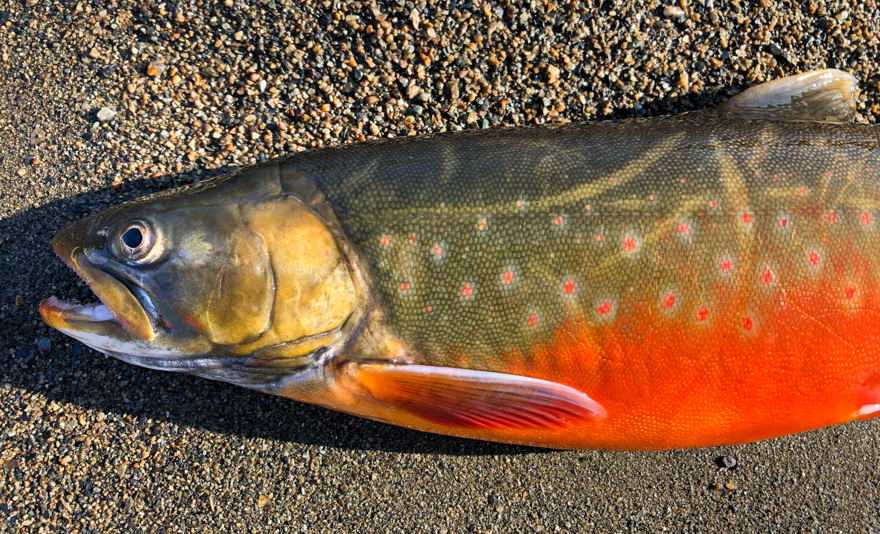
[[104, 101]]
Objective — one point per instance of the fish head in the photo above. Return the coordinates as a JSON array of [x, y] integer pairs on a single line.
[[224, 282]]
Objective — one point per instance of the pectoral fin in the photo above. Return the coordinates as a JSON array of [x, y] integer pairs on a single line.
[[821, 95], [465, 398]]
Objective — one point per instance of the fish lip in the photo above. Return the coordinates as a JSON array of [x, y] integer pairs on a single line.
[[139, 318]]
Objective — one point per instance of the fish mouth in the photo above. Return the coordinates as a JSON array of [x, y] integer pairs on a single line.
[[122, 310]]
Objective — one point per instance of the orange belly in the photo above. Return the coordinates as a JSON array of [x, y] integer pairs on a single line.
[[783, 359]]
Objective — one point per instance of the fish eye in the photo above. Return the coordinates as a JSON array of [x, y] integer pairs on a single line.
[[136, 241]]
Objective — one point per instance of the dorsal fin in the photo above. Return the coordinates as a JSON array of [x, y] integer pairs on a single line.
[[821, 95]]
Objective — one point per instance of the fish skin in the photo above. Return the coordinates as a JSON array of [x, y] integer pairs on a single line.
[[706, 279], [662, 283]]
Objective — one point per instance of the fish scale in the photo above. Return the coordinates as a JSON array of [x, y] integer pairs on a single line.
[[704, 279], [603, 190]]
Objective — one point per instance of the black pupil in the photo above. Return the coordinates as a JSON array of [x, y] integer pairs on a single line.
[[133, 237]]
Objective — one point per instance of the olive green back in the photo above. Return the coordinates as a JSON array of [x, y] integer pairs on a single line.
[[482, 243]]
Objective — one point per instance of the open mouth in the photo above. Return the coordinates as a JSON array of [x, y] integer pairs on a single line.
[[122, 304]]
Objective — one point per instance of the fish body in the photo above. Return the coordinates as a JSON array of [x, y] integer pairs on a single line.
[[697, 280]]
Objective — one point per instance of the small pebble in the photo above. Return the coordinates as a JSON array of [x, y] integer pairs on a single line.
[[44, 344], [728, 462], [673, 12], [106, 114]]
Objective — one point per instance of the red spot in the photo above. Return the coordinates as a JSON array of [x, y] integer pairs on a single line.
[[702, 314], [713, 204], [684, 180], [600, 238], [783, 222], [559, 220], [832, 217], [866, 218], [668, 301], [629, 243], [758, 174], [829, 174], [482, 224], [386, 241], [849, 291], [604, 308], [767, 276], [725, 265], [429, 309], [438, 250], [614, 181], [748, 323], [589, 207], [405, 286], [683, 228], [653, 197], [508, 277], [412, 238], [520, 203], [802, 189], [870, 169], [814, 258], [191, 320], [568, 287], [467, 290], [776, 177], [532, 320], [746, 218]]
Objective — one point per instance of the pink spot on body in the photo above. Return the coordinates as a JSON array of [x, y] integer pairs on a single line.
[[702, 314], [569, 286], [766, 276], [630, 243], [725, 265], [865, 218], [832, 217], [814, 259], [412, 238], [783, 221], [385, 241], [747, 323], [467, 290], [507, 277], [438, 251], [604, 308], [668, 301], [405, 286], [849, 291], [713, 204], [683, 228], [532, 319]]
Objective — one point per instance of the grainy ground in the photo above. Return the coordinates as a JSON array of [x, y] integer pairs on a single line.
[[191, 88]]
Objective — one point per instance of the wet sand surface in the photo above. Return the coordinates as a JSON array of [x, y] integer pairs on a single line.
[[104, 101]]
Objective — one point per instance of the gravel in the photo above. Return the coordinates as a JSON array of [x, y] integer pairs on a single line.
[[105, 101]]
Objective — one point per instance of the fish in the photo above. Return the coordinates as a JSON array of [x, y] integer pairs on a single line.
[[694, 280]]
